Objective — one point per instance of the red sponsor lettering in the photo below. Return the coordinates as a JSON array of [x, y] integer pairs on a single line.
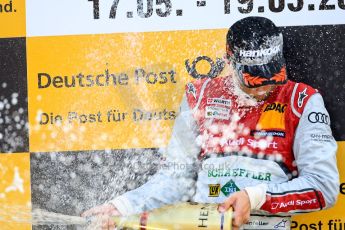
[[291, 202]]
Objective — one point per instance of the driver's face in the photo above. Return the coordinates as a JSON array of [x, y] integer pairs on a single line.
[[260, 93]]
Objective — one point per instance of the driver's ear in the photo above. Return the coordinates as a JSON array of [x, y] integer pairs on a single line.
[[226, 59], [229, 56], [229, 53]]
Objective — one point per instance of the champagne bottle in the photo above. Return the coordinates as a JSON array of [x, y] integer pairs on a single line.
[[183, 216]]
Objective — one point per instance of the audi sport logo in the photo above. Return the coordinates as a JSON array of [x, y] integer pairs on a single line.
[[322, 118]]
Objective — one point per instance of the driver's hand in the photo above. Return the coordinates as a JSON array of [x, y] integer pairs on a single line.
[[240, 202]]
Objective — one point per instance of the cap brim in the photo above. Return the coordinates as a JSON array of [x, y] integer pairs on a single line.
[[266, 70], [273, 73]]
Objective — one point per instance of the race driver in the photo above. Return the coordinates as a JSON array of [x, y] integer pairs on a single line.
[[254, 141]]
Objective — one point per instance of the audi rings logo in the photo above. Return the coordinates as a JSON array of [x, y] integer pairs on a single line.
[[318, 118]]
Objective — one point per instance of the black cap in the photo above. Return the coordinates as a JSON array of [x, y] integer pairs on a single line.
[[255, 47]]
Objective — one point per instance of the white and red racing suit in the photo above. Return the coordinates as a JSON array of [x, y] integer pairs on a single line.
[[281, 151]]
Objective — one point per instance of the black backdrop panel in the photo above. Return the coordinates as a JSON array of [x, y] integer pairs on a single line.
[[316, 55], [13, 96]]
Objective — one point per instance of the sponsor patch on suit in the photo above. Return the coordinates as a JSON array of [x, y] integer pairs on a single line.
[[270, 133], [217, 112], [229, 188], [214, 190], [219, 101], [301, 96], [272, 117]]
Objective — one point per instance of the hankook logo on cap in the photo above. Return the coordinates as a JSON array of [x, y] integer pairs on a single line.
[[260, 53]]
